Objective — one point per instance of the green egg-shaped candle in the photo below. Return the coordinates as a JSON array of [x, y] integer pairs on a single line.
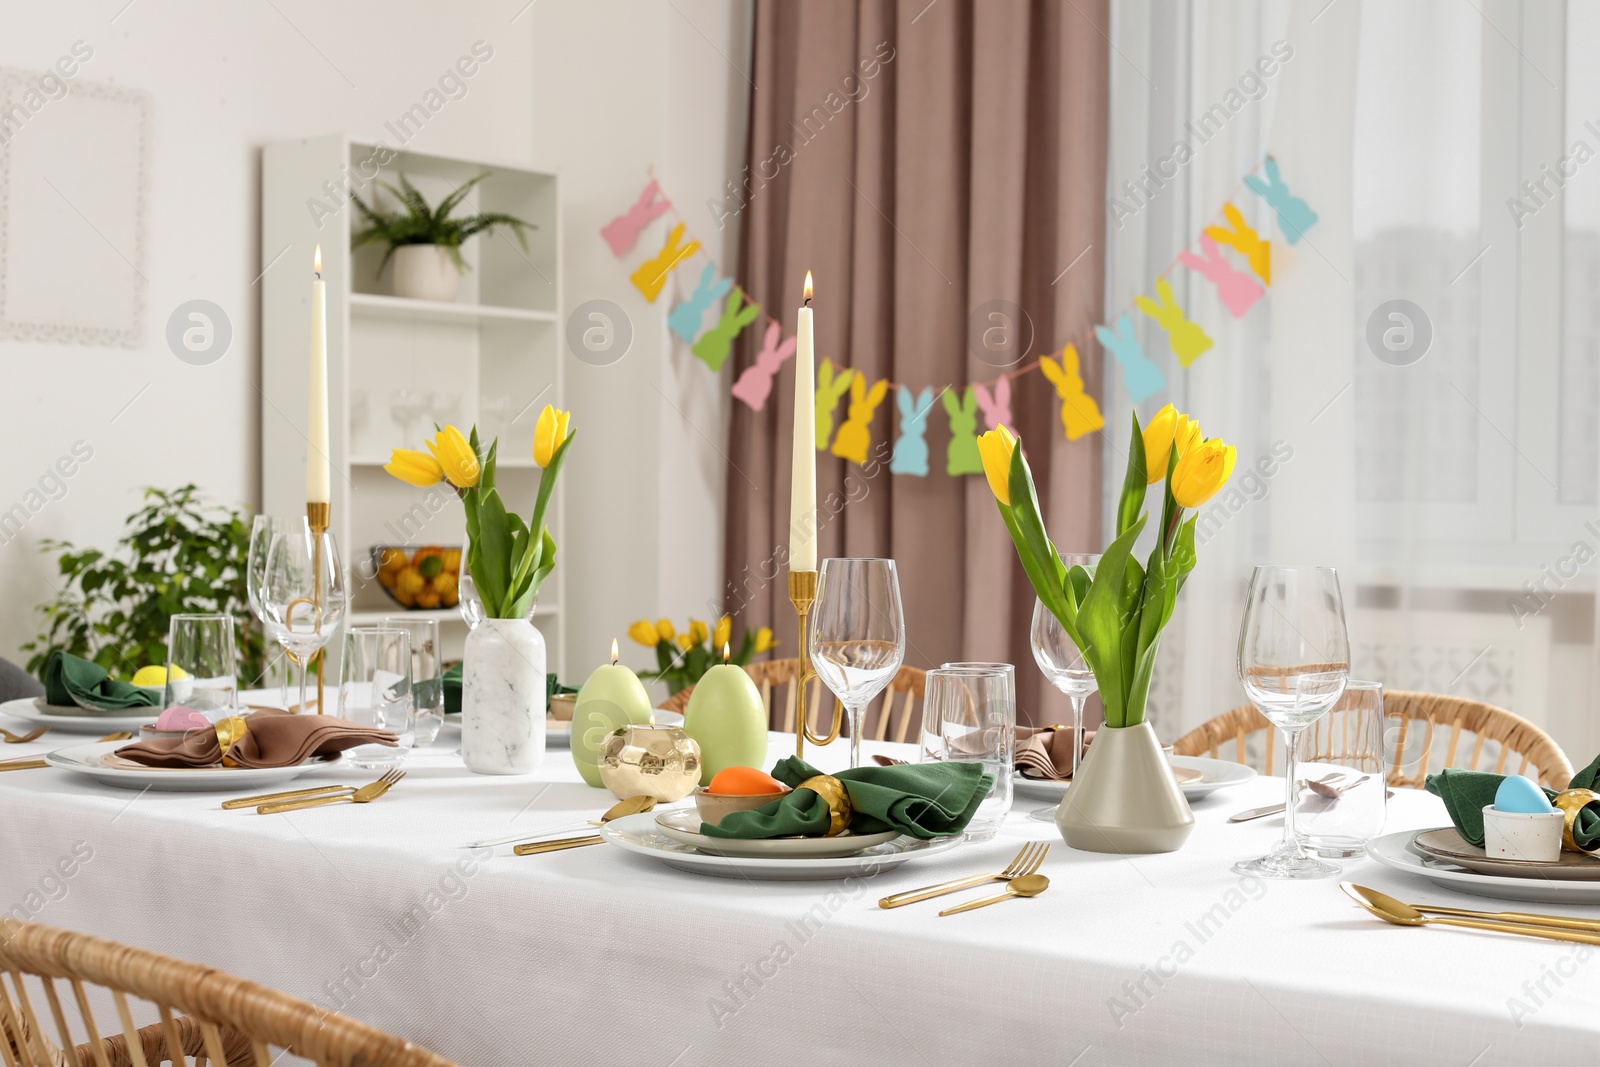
[[612, 697], [728, 721]]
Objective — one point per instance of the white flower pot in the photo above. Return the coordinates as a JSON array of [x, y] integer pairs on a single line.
[[424, 272], [503, 698], [1124, 797]]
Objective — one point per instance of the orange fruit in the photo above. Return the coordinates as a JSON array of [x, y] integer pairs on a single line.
[[744, 782], [452, 560]]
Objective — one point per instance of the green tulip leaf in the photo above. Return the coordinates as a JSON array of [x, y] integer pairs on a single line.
[[1134, 483]]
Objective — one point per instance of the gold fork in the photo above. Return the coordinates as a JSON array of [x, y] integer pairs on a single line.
[[120, 735], [1026, 862], [32, 735], [365, 795]]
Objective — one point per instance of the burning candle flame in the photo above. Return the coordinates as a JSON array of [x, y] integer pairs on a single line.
[[613, 651], [724, 651], [316, 261], [808, 287]]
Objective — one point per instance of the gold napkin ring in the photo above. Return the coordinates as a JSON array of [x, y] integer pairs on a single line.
[[837, 796], [1571, 802], [229, 731]]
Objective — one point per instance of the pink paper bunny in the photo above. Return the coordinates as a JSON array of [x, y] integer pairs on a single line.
[[755, 381], [1236, 289], [996, 407], [622, 231]]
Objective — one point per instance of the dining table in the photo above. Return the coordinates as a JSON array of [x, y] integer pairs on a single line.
[[596, 955]]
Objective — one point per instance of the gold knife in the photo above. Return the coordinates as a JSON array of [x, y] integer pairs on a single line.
[[23, 765], [557, 845]]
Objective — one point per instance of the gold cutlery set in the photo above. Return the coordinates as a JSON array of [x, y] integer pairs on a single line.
[[297, 799], [631, 806], [1020, 875], [1525, 924]]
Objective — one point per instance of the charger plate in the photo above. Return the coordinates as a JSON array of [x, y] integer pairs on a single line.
[[1397, 852], [1448, 845], [641, 835]]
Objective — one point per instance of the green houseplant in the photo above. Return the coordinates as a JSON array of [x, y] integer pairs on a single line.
[[425, 242], [177, 554]]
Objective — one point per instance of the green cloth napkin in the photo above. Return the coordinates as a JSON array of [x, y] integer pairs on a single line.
[[72, 680], [452, 689], [923, 800], [1467, 793]]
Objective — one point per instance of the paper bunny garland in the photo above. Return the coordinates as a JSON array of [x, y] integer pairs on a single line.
[[1080, 415], [686, 317], [1189, 342], [755, 381], [621, 232], [1295, 217], [910, 450], [651, 277], [855, 436], [1139, 376], [713, 347]]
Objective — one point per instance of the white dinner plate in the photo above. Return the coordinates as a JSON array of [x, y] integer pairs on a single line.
[[640, 834], [86, 759], [31, 710], [1214, 774], [1395, 851], [684, 825]]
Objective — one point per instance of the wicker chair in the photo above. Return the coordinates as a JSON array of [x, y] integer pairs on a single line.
[[1494, 732], [200, 1013], [894, 716]]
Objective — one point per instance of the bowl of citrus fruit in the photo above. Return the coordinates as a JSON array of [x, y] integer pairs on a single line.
[[419, 579]]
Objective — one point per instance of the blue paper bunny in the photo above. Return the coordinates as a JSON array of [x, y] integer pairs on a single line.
[[686, 317], [1139, 376], [1295, 216], [910, 450]]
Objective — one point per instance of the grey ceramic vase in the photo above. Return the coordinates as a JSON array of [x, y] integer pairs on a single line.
[[1125, 798]]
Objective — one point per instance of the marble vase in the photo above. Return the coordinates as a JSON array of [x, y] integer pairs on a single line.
[[503, 698]]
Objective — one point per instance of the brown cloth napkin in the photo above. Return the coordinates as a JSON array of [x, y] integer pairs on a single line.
[[1046, 754], [273, 739]]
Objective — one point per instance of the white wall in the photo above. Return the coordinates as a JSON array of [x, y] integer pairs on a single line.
[[595, 90]]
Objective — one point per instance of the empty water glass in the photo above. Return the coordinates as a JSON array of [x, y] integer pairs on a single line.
[[1344, 751], [971, 713], [427, 676], [375, 690], [201, 665]]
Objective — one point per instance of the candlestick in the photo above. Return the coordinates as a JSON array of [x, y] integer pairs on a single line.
[[803, 479], [317, 462], [802, 594], [318, 514]]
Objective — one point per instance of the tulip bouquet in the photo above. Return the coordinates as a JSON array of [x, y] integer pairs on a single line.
[[694, 657], [507, 558], [1115, 613]]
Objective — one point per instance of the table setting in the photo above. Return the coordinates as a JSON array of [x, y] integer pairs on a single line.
[[432, 839]]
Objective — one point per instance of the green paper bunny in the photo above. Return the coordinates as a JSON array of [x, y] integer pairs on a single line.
[[712, 348], [830, 390], [962, 455]]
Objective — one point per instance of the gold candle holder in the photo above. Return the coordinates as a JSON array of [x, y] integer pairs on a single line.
[[802, 594], [318, 515]]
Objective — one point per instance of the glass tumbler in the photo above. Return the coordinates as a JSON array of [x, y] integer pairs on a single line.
[[427, 676], [375, 690], [201, 664], [1344, 753], [970, 714]]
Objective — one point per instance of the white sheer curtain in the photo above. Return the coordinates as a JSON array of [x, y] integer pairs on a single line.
[[1457, 492]]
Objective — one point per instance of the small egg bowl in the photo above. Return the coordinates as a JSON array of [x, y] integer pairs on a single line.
[[714, 807], [1531, 837]]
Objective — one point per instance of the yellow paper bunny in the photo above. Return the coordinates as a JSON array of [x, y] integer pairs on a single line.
[[829, 390], [1240, 236], [1080, 415], [855, 436], [651, 277], [1189, 342]]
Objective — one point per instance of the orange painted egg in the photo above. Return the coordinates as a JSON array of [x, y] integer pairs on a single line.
[[744, 782]]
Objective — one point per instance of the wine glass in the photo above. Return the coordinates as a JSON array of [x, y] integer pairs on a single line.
[[406, 407], [1062, 663], [304, 593], [1294, 661], [262, 530], [858, 635]]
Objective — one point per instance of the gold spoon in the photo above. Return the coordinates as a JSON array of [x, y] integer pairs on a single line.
[[32, 735], [631, 806], [1391, 910], [1523, 918], [1029, 885]]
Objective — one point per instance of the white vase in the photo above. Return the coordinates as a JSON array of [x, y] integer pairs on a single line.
[[1125, 798], [503, 698], [424, 272]]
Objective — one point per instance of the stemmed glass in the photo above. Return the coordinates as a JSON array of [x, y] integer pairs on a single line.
[[303, 593], [1063, 665], [858, 635], [262, 530], [406, 407], [1294, 661]]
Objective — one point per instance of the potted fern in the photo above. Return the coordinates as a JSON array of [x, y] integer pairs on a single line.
[[425, 242]]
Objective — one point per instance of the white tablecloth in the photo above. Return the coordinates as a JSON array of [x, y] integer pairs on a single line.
[[597, 956]]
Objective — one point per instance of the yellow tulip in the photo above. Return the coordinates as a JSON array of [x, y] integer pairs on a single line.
[[995, 449], [686, 641], [456, 457], [664, 628], [1170, 427], [698, 631], [548, 433], [764, 639], [414, 468], [644, 633], [1202, 471], [724, 631]]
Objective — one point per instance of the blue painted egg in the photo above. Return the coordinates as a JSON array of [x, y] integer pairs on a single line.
[[1522, 794]]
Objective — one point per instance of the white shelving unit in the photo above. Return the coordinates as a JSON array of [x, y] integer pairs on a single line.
[[491, 358]]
